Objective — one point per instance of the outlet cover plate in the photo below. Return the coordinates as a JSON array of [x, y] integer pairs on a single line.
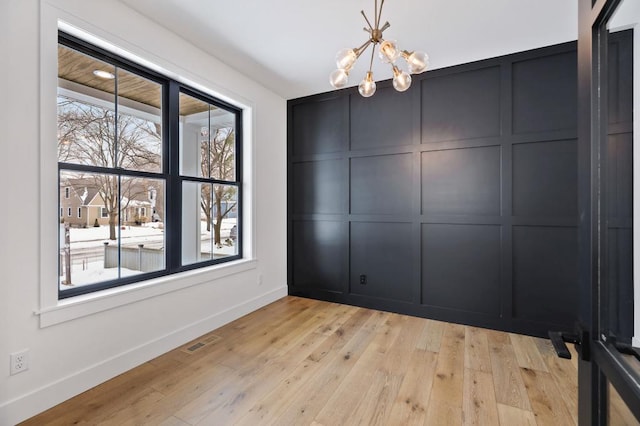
[[19, 361]]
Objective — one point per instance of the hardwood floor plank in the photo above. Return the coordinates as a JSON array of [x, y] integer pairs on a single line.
[[565, 376], [173, 421], [507, 380], [270, 407], [450, 366], [181, 390], [445, 401], [407, 333], [511, 416], [546, 400], [248, 392], [431, 336], [495, 337], [306, 362], [527, 352], [135, 412], [443, 413], [476, 350], [351, 389], [100, 402], [315, 393], [479, 398], [375, 406], [259, 375], [410, 406]]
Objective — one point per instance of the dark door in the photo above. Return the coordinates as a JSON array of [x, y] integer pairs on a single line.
[[609, 326]]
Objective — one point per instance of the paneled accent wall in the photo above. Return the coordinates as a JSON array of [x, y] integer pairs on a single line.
[[456, 200]]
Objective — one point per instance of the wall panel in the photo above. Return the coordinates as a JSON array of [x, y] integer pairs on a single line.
[[461, 105], [545, 178], [382, 253], [461, 181], [320, 127], [381, 184], [461, 267], [545, 273], [545, 93], [385, 119], [319, 254], [318, 187]]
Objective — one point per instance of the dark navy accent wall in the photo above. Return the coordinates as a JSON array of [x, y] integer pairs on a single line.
[[456, 200]]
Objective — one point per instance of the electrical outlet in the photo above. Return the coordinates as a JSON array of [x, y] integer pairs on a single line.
[[363, 279], [259, 279], [19, 361]]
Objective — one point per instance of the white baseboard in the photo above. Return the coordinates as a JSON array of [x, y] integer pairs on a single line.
[[49, 395], [636, 342]]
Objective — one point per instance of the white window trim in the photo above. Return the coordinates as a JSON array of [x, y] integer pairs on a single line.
[[54, 311], [79, 212]]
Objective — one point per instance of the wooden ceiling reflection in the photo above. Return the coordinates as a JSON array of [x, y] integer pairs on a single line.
[[78, 68]]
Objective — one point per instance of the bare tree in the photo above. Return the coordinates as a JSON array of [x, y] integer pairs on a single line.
[[218, 162], [93, 135]]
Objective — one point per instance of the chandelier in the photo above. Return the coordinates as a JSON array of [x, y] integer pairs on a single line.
[[389, 53]]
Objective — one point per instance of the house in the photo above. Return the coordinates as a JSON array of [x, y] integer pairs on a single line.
[[82, 205], [78, 342]]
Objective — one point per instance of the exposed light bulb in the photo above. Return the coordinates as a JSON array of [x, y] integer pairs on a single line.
[[417, 61], [389, 51], [401, 79], [339, 78], [367, 87], [345, 58]]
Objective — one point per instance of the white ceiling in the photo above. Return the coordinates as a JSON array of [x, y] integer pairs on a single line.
[[289, 46]]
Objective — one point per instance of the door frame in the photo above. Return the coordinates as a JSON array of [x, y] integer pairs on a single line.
[[600, 362]]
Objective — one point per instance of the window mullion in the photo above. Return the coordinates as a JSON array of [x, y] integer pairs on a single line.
[[173, 206]]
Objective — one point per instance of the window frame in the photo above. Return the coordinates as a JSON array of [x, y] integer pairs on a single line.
[[237, 181], [169, 172]]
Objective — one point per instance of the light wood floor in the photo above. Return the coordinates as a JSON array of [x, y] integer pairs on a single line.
[[305, 362]]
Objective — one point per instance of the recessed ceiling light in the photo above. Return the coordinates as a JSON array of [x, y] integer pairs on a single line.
[[104, 74]]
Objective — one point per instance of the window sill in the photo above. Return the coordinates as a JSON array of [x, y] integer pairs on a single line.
[[89, 304]]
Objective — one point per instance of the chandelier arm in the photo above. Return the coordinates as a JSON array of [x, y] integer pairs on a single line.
[[385, 26], [373, 51], [360, 50], [375, 13], [379, 14], [367, 19]]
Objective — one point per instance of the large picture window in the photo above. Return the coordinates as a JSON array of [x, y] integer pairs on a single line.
[[153, 163]]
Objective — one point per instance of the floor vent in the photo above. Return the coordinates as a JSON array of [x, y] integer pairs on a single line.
[[200, 343]]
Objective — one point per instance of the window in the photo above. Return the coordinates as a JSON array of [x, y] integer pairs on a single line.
[[69, 211], [61, 212], [210, 189], [157, 159]]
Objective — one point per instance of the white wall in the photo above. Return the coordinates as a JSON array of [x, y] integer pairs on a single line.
[[74, 346]]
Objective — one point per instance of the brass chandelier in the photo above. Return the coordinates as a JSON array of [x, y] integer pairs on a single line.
[[389, 53]]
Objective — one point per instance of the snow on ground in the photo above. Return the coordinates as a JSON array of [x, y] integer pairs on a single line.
[[87, 249]]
